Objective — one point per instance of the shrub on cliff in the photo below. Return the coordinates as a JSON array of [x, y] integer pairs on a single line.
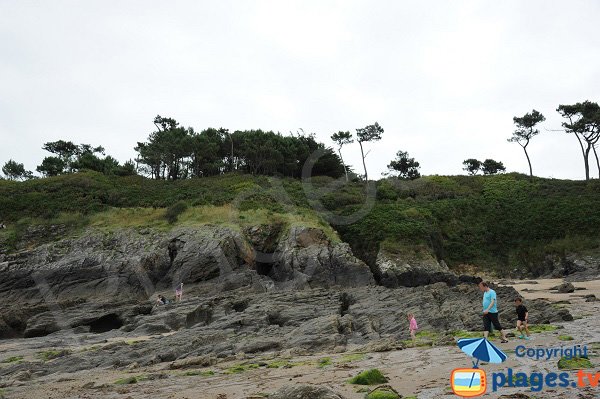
[[173, 212]]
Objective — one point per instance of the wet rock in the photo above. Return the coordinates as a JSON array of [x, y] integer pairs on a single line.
[[590, 298], [305, 392], [565, 288], [382, 345], [194, 361]]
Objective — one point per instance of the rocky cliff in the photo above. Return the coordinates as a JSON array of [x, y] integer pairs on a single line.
[[265, 288]]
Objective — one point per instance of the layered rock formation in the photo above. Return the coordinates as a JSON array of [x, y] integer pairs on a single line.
[[264, 289]]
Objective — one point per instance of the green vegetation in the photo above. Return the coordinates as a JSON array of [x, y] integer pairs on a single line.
[[574, 363], [423, 338], [173, 212], [53, 354], [466, 334], [539, 328], [206, 373], [382, 394], [13, 359], [369, 377], [240, 368], [499, 222], [173, 152], [280, 364], [565, 338], [352, 357], [326, 361]]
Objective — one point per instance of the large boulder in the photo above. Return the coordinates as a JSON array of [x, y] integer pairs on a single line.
[[411, 268], [565, 288], [307, 257]]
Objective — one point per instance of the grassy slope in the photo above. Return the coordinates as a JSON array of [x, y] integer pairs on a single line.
[[493, 221]]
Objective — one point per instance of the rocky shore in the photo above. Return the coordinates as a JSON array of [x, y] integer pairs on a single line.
[[87, 303]]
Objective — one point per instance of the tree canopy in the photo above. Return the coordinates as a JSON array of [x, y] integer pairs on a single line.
[[173, 152], [70, 157], [583, 121], [404, 166], [491, 167], [16, 171], [472, 166], [525, 131], [367, 134]]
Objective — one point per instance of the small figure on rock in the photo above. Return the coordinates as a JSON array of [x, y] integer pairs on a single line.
[[162, 300], [522, 316], [179, 292], [412, 326]]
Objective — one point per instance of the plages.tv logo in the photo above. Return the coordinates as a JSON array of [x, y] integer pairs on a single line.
[[468, 382], [471, 382]]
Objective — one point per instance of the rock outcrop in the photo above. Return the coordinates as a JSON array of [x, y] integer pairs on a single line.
[[244, 293], [100, 270], [411, 269], [573, 267]]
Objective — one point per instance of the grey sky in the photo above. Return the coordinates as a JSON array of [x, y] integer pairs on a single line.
[[444, 78]]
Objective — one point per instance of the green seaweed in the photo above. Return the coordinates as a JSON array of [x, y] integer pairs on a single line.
[[369, 377]]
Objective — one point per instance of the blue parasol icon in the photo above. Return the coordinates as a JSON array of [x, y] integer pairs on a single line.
[[482, 350]]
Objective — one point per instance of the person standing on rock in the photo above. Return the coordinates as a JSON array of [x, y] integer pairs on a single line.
[[412, 326], [179, 292], [490, 311]]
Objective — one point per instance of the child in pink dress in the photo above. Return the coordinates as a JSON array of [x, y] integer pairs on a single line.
[[412, 326], [179, 292]]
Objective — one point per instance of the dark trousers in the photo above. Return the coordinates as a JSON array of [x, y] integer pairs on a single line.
[[489, 319]]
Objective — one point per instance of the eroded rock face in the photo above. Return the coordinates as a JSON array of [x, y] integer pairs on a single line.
[[210, 325], [308, 258], [101, 268], [404, 269], [572, 266], [316, 296]]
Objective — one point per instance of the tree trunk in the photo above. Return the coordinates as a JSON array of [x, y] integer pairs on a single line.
[[363, 160], [528, 161], [586, 162], [597, 161], [231, 138], [342, 159]]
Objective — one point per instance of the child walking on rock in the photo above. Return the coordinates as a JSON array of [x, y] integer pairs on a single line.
[[412, 326]]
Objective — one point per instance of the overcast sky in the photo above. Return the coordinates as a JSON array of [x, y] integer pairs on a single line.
[[443, 78]]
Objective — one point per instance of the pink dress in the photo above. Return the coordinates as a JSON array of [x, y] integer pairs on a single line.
[[413, 324]]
